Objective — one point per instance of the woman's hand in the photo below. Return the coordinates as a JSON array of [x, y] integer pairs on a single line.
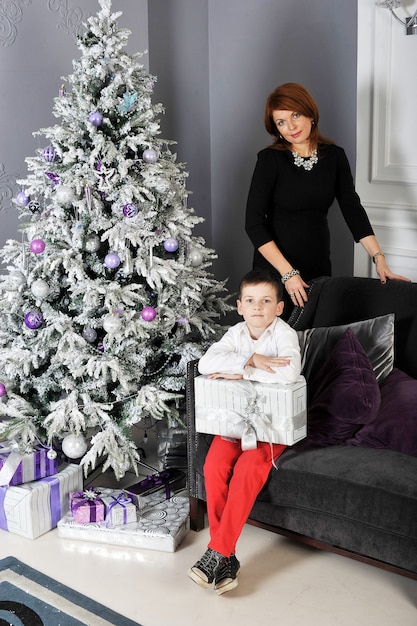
[[385, 273], [296, 289]]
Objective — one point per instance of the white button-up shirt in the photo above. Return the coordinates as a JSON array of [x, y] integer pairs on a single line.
[[235, 348]]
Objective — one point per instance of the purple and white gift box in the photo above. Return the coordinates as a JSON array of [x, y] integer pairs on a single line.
[[161, 527], [34, 508], [120, 509], [18, 467]]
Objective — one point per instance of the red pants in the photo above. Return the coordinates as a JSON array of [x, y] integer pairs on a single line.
[[233, 479]]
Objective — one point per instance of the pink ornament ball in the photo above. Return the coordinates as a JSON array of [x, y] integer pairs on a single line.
[[2, 390], [95, 118], [37, 246], [22, 198], [148, 314], [34, 320], [171, 244], [130, 210], [49, 154], [112, 260]]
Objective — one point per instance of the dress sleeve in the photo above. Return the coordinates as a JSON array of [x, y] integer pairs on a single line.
[[353, 212], [260, 198]]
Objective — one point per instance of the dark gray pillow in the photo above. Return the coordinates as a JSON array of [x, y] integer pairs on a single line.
[[375, 335]]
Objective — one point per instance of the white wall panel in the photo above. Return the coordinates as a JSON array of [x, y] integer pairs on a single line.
[[386, 173]]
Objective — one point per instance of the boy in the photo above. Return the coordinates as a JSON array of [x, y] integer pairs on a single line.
[[262, 348]]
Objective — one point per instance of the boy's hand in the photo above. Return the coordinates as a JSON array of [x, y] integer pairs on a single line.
[[268, 363], [225, 375]]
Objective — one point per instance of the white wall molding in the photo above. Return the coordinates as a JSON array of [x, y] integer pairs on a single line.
[[386, 171], [394, 153]]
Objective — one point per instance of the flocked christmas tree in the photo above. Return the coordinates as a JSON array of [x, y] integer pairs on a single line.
[[109, 294]]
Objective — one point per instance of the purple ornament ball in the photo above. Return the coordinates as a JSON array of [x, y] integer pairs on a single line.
[[148, 314], [22, 198], [34, 319], [150, 155], [112, 260], [95, 118], [37, 246], [171, 244], [130, 210], [2, 390], [48, 154]]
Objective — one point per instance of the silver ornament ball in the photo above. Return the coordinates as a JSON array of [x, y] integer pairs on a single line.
[[64, 194], [195, 257], [74, 446], [40, 288], [112, 323], [92, 243], [89, 334]]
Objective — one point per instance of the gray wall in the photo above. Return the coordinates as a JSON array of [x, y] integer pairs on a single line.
[[216, 61], [37, 46]]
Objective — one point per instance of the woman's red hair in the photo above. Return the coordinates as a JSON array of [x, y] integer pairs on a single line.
[[292, 97]]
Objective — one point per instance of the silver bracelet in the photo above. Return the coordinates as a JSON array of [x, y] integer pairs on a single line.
[[289, 275]]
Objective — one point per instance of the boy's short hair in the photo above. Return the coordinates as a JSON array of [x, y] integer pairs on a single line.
[[257, 276]]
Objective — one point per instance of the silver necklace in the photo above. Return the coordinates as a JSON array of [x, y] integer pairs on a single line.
[[307, 164]]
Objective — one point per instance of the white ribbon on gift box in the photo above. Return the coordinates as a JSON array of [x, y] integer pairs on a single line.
[[246, 425], [10, 466]]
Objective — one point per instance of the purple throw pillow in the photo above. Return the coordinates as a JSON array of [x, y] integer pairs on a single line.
[[344, 394], [395, 426]]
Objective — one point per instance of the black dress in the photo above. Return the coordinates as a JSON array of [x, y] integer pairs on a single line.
[[289, 205]]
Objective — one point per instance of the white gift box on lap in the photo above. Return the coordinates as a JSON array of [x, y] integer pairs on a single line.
[[160, 527], [233, 408], [32, 509]]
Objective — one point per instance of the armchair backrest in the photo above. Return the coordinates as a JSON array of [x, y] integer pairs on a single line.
[[342, 300]]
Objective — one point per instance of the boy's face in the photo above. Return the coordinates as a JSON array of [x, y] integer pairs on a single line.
[[259, 305]]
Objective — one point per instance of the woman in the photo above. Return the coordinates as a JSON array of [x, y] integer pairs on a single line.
[[293, 186]]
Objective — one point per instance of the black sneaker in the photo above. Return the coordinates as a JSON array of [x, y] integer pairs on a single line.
[[204, 571], [226, 575]]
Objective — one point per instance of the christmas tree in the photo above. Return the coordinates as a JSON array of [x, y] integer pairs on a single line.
[[108, 295]]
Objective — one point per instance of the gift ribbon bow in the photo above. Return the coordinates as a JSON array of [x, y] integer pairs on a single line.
[[252, 418], [121, 499]]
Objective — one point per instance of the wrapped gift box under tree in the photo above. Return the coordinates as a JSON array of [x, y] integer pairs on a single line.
[[18, 467], [34, 508], [161, 527], [160, 485]]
